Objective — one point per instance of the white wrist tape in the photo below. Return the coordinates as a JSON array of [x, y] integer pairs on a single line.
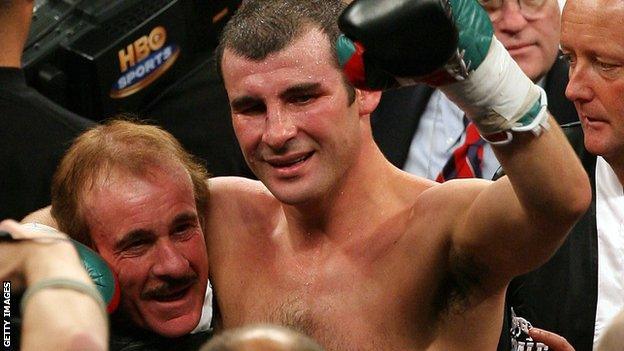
[[498, 96]]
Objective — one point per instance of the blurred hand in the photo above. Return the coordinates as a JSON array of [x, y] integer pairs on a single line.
[[17, 258], [553, 341]]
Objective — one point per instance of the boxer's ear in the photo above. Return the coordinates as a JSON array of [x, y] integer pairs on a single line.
[[367, 100]]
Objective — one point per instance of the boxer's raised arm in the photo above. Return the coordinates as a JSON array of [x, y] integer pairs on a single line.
[[525, 215]]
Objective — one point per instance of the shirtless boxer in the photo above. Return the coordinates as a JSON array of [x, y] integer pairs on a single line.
[[335, 241], [338, 243]]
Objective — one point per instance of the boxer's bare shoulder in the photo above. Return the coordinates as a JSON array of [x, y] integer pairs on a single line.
[[239, 194], [437, 209], [239, 207]]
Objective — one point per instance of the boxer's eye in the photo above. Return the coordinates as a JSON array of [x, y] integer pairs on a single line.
[[302, 94], [248, 106], [301, 99], [251, 110]]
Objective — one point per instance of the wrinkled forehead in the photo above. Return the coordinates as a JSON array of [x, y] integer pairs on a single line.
[[594, 27], [566, 5], [122, 199], [118, 182], [595, 15], [112, 175]]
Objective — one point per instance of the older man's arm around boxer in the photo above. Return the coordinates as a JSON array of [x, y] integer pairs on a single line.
[[61, 308]]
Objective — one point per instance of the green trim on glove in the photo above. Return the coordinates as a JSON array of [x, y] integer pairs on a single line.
[[530, 116], [475, 30], [344, 49], [98, 270]]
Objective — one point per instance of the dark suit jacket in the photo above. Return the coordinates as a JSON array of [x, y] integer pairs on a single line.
[[561, 295], [34, 135], [396, 119]]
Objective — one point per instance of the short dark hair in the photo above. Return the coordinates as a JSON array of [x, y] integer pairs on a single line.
[[262, 27]]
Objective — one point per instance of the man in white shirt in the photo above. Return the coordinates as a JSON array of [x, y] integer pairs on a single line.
[[580, 290]]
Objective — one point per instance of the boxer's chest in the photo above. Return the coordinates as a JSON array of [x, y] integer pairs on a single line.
[[335, 296]]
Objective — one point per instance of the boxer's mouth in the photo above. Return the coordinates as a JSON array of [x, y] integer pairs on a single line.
[[288, 161]]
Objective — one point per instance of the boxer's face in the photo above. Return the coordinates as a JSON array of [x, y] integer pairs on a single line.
[[147, 229], [532, 39], [593, 40], [292, 116]]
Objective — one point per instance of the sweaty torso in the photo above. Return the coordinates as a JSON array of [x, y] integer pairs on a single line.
[[387, 288]]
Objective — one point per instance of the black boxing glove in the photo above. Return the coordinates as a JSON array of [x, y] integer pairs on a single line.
[[445, 43], [395, 38]]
